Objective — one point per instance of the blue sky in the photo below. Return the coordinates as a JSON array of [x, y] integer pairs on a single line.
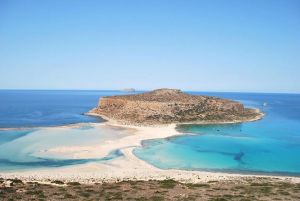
[[211, 45]]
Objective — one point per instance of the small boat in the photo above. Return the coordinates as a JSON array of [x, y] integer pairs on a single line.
[[265, 104]]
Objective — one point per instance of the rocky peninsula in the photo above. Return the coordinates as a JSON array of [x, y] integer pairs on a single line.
[[165, 106]]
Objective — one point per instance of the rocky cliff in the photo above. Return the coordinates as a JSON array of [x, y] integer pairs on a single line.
[[164, 106]]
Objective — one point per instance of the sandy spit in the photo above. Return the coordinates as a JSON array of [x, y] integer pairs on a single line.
[[127, 167]]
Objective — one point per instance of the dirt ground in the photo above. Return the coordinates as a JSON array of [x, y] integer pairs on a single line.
[[247, 189]]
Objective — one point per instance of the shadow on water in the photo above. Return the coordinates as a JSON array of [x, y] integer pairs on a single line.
[[10, 135], [239, 156], [6, 164], [236, 156], [209, 128]]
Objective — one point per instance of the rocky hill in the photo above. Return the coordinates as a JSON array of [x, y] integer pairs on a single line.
[[163, 106]]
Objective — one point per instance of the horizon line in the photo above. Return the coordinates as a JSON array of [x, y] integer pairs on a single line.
[[141, 90]]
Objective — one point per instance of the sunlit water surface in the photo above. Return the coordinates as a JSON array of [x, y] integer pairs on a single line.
[[27, 149], [30, 125], [271, 145]]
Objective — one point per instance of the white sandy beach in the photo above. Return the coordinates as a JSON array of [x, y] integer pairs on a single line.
[[128, 167]]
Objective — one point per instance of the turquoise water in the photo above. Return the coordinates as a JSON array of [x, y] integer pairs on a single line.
[[27, 127], [271, 145], [26, 148]]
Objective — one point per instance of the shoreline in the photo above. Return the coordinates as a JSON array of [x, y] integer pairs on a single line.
[[259, 116], [120, 124], [72, 125], [129, 166]]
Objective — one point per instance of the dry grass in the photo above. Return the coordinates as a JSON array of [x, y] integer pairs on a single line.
[[248, 189]]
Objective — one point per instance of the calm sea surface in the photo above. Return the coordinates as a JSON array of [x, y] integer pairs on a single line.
[[271, 145], [31, 108], [25, 116]]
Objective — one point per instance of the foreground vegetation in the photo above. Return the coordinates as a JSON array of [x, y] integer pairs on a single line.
[[247, 189]]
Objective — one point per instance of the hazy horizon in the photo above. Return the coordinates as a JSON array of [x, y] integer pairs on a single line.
[[142, 90], [212, 46]]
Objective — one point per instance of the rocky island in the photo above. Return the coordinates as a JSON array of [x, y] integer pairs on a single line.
[[164, 106]]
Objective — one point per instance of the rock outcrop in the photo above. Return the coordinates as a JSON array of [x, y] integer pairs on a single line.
[[163, 106]]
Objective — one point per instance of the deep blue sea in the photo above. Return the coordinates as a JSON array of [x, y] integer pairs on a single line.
[[269, 146], [28, 120], [32, 108]]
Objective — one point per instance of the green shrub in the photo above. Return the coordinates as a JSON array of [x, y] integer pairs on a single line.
[[191, 185], [73, 183], [168, 183], [58, 182]]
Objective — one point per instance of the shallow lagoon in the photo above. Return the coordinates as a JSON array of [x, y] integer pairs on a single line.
[[27, 149], [271, 145], [28, 127]]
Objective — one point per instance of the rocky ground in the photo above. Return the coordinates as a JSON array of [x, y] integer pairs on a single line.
[[165, 106], [247, 189]]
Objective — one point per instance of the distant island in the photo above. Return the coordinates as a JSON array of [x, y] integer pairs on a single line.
[[165, 106], [128, 90]]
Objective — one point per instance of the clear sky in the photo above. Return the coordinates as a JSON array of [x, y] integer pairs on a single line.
[[206, 45]]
